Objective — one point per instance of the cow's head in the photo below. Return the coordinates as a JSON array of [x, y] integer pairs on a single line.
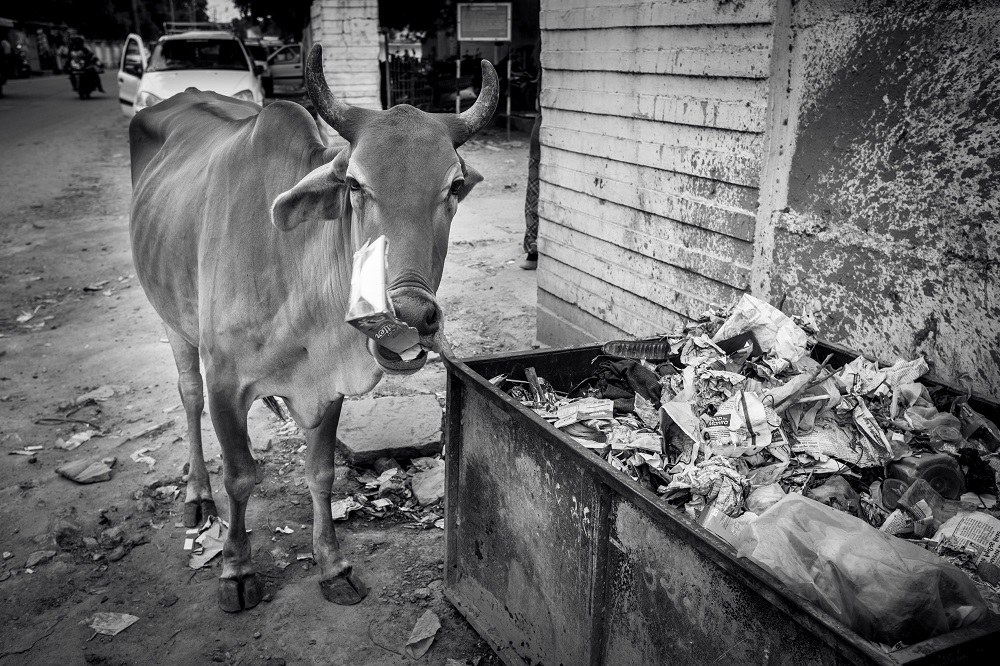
[[399, 176]]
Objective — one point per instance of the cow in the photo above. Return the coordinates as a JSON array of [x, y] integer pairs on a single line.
[[243, 228]]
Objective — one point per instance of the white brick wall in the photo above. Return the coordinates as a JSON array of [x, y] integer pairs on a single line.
[[348, 31]]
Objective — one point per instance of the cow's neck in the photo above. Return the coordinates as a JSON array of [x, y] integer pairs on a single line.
[[333, 359]]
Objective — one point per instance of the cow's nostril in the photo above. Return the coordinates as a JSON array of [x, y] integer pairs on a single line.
[[431, 319]]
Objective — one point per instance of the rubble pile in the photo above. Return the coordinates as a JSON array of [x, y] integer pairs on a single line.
[[730, 416]]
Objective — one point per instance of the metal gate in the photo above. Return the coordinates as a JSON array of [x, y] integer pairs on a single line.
[[405, 80]]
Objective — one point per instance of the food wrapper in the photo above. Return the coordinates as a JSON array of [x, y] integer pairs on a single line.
[[742, 426], [370, 309]]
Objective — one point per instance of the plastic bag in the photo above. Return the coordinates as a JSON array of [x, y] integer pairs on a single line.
[[776, 333], [763, 498], [884, 588]]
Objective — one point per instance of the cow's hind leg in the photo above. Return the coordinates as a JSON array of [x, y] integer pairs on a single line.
[[338, 580], [239, 588], [198, 502]]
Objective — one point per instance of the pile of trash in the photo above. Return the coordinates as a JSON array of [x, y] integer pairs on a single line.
[[389, 490], [733, 421]]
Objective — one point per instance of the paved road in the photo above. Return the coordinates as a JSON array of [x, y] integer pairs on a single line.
[[47, 135]]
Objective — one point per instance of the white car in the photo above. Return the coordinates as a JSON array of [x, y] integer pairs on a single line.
[[285, 67], [215, 61]]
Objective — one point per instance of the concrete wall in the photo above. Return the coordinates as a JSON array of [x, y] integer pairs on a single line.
[[652, 138], [348, 31], [882, 188]]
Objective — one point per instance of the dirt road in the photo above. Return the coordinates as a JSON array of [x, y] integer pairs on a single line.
[[74, 319]]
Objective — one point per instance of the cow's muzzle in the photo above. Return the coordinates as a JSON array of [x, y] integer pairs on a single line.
[[416, 307]]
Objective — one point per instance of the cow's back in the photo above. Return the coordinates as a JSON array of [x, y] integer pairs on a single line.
[[198, 169]]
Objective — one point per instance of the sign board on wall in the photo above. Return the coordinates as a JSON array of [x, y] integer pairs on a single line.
[[484, 22]]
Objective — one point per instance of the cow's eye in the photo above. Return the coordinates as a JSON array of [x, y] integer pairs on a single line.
[[353, 184], [457, 186]]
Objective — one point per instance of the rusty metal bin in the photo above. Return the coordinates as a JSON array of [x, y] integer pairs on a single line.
[[556, 558]]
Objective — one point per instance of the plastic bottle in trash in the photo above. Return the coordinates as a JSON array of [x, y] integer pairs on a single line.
[[940, 470]]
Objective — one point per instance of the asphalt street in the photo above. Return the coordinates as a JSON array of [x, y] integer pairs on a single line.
[[47, 135]]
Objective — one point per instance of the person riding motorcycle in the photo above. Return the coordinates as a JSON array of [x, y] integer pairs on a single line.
[[80, 58]]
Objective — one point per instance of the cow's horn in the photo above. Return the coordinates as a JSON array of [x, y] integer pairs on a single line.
[[476, 117], [341, 116]]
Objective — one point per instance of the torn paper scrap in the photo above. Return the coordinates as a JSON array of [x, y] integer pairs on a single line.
[[76, 440], [140, 457], [342, 508], [422, 635], [978, 532], [112, 624], [85, 471], [211, 541]]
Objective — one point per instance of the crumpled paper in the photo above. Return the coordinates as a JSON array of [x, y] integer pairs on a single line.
[[212, 539], [717, 481]]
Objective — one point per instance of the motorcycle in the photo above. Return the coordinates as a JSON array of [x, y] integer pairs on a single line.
[[84, 76]]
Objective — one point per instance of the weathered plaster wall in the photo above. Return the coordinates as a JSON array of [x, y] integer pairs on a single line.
[[348, 31], [891, 231]]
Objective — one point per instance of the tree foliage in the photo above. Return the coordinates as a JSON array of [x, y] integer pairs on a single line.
[[426, 16], [108, 19], [282, 18]]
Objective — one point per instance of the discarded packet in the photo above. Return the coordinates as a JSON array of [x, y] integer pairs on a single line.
[[742, 426], [370, 309]]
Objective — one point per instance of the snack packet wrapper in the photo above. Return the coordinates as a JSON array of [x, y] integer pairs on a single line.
[[370, 309]]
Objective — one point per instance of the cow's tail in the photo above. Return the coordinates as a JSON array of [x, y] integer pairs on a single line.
[[272, 403]]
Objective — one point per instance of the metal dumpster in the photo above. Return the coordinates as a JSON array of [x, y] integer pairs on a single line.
[[556, 558]]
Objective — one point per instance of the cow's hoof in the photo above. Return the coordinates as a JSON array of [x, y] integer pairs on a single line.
[[236, 594], [345, 589], [196, 512]]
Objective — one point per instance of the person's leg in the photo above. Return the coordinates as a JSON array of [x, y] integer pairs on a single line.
[[530, 243]]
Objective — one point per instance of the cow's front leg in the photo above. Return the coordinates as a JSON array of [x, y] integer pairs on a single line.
[[239, 588], [338, 580]]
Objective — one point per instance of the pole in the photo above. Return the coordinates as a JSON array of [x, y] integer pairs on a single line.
[[509, 70], [135, 17], [173, 19], [388, 74], [458, 76]]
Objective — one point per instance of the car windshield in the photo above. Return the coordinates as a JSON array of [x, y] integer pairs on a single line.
[[257, 52], [178, 54]]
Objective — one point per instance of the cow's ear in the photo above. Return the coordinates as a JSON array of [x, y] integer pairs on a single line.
[[471, 178], [319, 196]]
